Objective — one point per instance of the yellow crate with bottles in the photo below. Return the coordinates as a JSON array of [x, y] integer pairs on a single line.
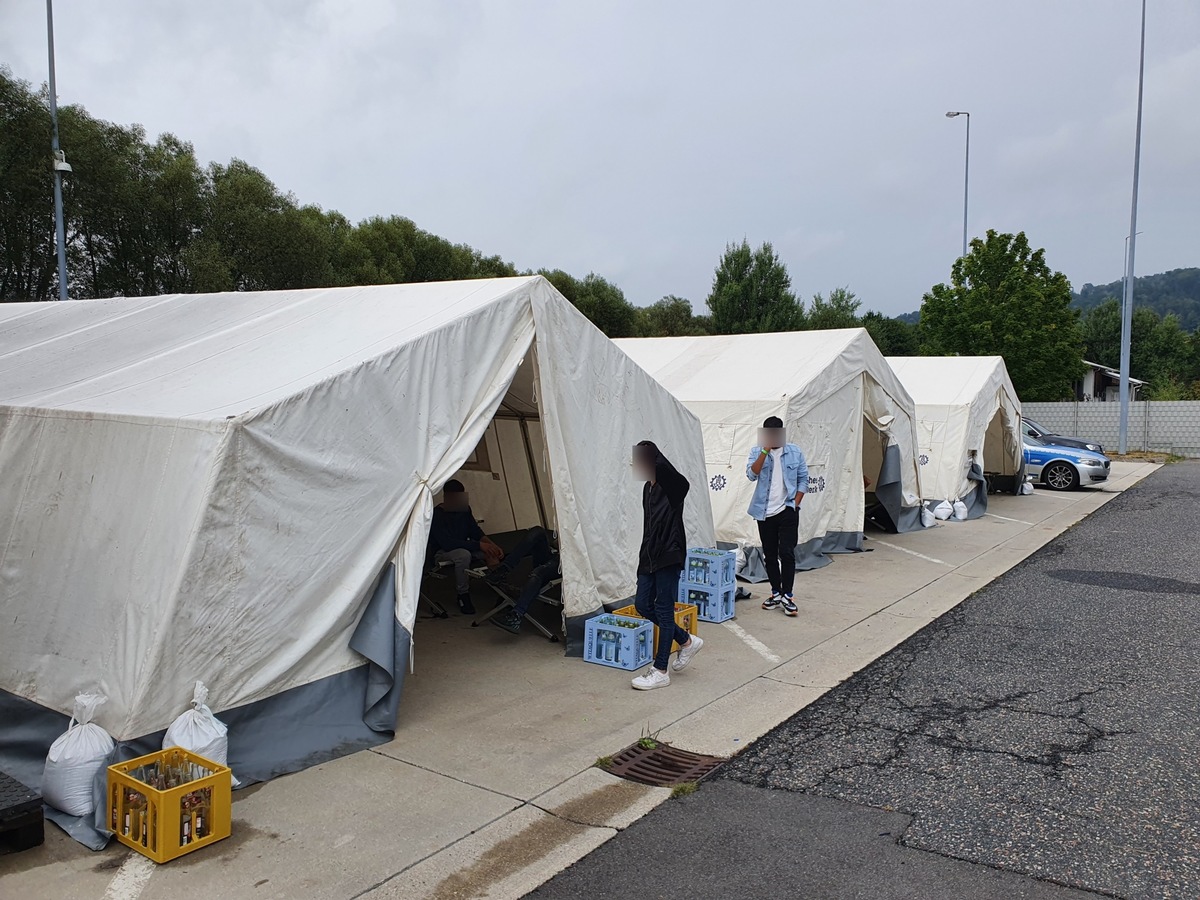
[[169, 803]]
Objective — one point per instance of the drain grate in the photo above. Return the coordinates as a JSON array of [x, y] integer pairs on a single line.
[[662, 765]]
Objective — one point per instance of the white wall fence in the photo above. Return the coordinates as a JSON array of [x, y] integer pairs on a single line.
[[1165, 426]]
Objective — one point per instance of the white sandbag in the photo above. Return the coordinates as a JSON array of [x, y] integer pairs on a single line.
[[943, 511], [927, 518], [960, 510], [1027, 487], [739, 559], [74, 759], [198, 730]]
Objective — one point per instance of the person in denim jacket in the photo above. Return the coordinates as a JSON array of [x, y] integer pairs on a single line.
[[780, 474]]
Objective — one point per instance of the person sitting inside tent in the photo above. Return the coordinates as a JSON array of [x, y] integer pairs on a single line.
[[547, 566], [457, 538]]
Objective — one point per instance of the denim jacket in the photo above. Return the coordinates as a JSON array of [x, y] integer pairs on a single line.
[[795, 479]]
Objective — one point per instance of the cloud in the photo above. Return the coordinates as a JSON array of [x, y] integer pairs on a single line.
[[637, 139]]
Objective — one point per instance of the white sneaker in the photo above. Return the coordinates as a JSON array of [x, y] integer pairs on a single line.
[[651, 680], [685, 654]]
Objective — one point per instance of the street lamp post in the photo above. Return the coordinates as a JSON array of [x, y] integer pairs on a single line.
[[60, 164], [966, 174], [1127, 307]]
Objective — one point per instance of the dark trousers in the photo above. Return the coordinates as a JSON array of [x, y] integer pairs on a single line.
[[540, 577], [778, 534], [535, 544], [656, 596]]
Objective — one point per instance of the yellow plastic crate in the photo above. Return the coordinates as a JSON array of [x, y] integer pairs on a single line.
[[687, 617], [169, 803]]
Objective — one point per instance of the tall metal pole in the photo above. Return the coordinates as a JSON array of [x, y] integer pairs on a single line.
[[966, 172], [966, 182], [59, 231], [1127, 303]]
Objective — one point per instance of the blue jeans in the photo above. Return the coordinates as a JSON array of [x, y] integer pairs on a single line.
[[656, 597]]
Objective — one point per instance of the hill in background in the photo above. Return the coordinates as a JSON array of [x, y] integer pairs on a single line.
[[1177, 291]]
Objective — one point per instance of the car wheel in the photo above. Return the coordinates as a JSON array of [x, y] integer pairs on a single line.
[[1060, 476]]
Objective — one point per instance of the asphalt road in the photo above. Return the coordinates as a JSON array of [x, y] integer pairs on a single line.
[[1040, 740]]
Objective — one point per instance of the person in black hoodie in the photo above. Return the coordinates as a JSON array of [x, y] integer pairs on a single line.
[[660, 562]]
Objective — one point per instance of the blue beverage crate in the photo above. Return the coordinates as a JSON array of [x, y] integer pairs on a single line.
[[620, 646], [715, 604], [710, 568]]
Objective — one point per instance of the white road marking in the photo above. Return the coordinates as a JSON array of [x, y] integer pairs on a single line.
[[131, 878], [753, 643], [1007, 519], [940, 562]]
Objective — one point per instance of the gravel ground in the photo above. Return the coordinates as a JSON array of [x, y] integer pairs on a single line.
[[1041, 740]]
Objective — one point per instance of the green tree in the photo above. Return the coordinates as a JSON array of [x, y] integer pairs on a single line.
[[893, 336], [605, 304], [752, 292], [670, 317], [1160, 351], [839, 311], [1004, 300]]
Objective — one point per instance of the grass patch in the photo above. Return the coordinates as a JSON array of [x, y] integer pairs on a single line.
[[684, 789], [1149, 456], [603, 762]]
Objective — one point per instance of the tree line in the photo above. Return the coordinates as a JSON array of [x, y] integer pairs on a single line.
[[1175, 292], [146, 217]]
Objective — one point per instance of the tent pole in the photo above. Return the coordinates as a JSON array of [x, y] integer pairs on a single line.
[[533, 476]]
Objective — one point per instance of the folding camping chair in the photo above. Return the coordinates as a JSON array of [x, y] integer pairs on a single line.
[[508, 602], [435, 570]]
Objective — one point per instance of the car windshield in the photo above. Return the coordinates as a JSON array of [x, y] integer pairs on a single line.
[[1036, 427]]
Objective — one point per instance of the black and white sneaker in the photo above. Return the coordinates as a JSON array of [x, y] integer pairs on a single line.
[[789, 605], [773, 601]]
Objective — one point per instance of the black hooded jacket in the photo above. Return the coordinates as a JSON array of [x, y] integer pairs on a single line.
[[664, 542]]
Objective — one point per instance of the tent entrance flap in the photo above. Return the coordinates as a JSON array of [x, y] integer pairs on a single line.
[[507, 476]]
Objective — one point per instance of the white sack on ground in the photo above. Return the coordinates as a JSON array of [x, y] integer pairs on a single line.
[[74, 759], [199, 731]]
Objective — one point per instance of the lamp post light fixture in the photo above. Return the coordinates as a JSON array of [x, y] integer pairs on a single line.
[[60, 163], [966, 173]]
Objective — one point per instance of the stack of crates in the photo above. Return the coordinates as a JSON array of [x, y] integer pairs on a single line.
[[622, 642], [709, 583], [169, 803]]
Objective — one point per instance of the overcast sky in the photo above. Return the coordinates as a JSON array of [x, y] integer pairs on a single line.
[[636, 139]]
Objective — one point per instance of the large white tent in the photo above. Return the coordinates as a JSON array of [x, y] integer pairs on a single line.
[[968, 426], [839, 401], [210, 486]]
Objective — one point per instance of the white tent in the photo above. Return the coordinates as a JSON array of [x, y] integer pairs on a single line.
[[968, 426], [209, 486], [839, 401]]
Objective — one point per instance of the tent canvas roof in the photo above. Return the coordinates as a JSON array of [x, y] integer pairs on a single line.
[[722, 367], [950, 380], [210, 357]]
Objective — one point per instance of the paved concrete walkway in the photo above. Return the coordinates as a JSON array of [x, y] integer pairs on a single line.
[[488, 788], [1040, 740]]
